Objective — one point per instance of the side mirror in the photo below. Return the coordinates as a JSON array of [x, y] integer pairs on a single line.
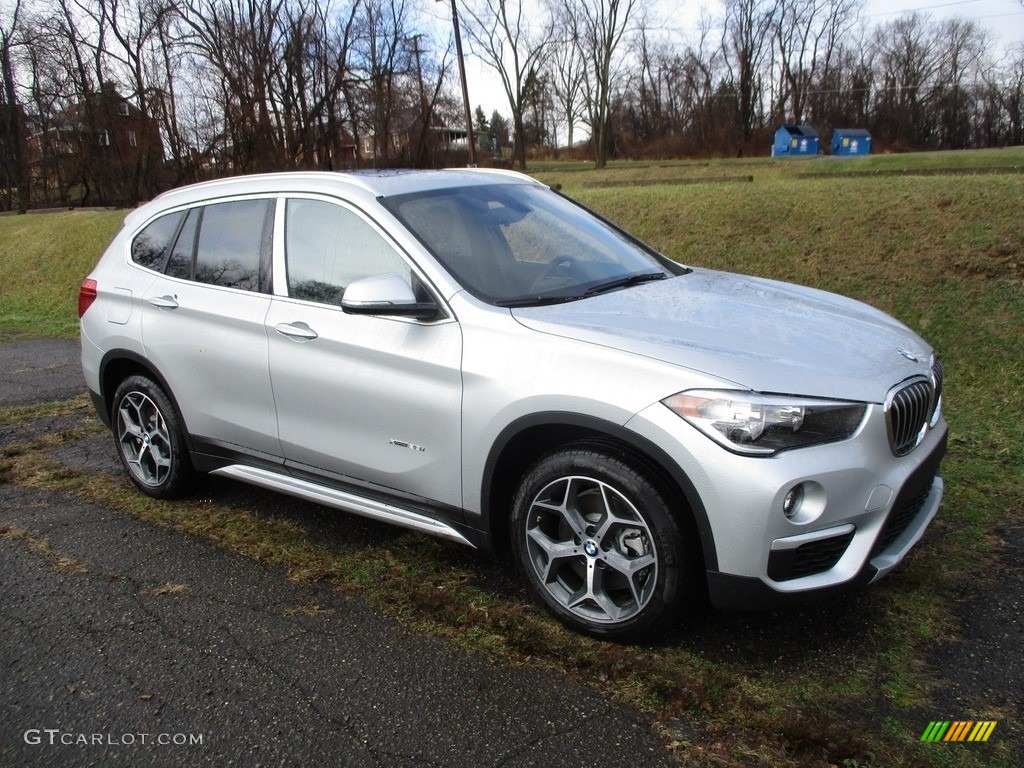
[[387, 295]]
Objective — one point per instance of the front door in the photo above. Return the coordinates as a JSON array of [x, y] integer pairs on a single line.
[[374, 400]]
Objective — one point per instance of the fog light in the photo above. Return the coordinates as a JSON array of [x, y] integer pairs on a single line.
[[791, 504]]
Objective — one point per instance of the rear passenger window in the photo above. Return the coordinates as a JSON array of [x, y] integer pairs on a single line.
[[328, 247], [150, 246], [233, 240]]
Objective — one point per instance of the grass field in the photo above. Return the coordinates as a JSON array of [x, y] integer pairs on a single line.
[[43, 259], [846, 684]]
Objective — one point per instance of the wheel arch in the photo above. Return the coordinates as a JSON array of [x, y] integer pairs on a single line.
[[116, 366], [525, 440]]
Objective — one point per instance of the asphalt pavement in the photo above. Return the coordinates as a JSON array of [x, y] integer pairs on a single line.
[[126, 644], [39, 370]]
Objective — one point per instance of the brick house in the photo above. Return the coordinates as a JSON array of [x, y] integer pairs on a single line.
[[102, 150]]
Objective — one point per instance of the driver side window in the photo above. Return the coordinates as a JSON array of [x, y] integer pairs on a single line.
[[328, 247]]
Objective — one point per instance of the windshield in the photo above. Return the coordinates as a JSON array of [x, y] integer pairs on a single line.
[[517, 244]]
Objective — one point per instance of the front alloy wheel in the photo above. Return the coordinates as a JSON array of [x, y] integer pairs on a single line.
[[599, 544], [591, 549]]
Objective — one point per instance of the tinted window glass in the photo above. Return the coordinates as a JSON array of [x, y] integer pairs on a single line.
[[328, 247], [231, 242], [150, 245], [180, 262]]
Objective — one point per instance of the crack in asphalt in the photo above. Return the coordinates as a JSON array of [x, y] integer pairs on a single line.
[[587, 725], [295, 685]]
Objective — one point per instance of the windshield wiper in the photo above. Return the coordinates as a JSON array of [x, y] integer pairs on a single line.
[[611, 285], [535, 301], [625, 282]]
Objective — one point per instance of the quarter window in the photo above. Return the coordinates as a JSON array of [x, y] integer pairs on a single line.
[[150, 246], [179, 264], [328, 247]]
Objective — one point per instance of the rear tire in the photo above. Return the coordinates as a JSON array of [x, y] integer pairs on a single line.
[[150, 440], [599, 543]]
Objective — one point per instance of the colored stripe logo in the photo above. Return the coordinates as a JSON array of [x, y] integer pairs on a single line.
[[958, 730]]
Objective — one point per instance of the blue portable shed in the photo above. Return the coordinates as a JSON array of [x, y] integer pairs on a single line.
[[851, 141], [795, 140]]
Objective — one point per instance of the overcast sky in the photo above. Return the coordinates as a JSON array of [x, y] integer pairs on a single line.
[[1004, 18]]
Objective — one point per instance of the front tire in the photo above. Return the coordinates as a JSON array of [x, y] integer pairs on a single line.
[[150, 441], [600, 545]]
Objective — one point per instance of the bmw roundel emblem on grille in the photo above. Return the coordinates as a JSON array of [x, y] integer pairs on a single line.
[[909, 355]]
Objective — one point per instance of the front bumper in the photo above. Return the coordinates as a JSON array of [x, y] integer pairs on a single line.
[[909, 516]]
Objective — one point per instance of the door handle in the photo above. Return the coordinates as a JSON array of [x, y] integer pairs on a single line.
[[163, 302], [296, 331]]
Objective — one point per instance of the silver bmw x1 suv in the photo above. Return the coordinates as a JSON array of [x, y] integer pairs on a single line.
[[470, 354]]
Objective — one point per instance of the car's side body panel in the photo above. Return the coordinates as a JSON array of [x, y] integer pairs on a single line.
[[211, 347], [372, 398]]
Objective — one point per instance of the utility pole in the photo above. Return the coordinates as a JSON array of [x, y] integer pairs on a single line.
[[465, 90], [426, 116], [419, 72]]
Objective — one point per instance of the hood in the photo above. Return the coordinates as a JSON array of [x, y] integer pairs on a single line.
[[759, 334]]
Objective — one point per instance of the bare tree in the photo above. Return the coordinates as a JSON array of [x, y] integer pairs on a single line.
[[504, 37], [807, 34], [842, 95], [133, 57], [745, 44], [644, 94], [598, 28], [311, 82], [387, 93], [1006, 89], [12, 122], [46, 75], [566, 67], [240, 41], [171, 57], [693, 101], [906, 63], [960, 44], [81, 48]]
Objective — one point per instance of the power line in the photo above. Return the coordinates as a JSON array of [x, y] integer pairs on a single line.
[[925, 8]]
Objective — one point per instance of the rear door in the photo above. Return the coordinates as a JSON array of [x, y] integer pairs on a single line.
[[203, 325], [370, 400]]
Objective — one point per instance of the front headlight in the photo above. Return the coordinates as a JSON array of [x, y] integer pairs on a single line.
[[762, 425]]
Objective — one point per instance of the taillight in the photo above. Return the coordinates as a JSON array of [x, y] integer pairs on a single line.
[[86, 296]]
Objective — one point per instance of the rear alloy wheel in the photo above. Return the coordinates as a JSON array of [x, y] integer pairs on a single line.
[[599, 544], [149, 439]]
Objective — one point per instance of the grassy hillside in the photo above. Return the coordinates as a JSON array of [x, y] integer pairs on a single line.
[[43, 259], [928, 238]]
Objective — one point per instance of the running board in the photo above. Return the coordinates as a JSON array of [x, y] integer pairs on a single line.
[[347, 502]]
